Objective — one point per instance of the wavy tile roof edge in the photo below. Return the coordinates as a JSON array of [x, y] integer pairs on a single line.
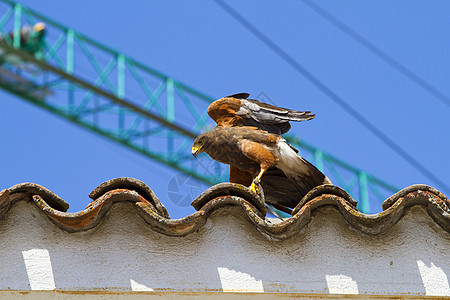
[[148, 206]]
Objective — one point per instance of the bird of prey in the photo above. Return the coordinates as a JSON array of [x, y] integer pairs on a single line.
[[255, 151], [238, 110]]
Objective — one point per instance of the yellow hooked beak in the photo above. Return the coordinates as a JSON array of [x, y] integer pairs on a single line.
[[196, 149]]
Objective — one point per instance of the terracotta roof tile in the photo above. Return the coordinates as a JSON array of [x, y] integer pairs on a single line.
[[155, 214]]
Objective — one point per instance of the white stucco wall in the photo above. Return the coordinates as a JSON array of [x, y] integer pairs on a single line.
[[228, 254]]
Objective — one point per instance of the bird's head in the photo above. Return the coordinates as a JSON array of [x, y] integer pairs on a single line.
[[201, 143]]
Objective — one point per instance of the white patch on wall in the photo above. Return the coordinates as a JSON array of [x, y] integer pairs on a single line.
[[39, 269], [138, 287], [233, 281], [434, 280], [341, 284]]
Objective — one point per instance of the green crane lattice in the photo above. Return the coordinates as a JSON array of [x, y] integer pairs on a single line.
[[119, 98]]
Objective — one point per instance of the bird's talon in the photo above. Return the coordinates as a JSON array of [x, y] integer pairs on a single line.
[[253, 187]]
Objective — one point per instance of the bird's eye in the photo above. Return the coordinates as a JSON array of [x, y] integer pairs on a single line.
[[200, 142]]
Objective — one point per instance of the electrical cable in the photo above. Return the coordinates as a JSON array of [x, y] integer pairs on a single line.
[[380, 53]]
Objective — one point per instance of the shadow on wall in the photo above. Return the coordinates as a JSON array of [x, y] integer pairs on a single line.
[[228, 253]]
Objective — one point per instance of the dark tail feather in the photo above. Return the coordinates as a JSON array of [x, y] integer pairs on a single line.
[[306, 181]]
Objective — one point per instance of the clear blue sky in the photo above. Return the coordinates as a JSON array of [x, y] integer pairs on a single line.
[[201, 45]]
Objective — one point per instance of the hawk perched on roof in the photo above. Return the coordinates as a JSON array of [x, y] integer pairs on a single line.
[[247, 138], [255, 151]]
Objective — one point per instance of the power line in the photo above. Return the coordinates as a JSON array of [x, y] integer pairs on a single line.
[[332, 95], [380, 53]]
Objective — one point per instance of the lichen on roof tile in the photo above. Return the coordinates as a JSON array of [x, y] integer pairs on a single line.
[[149, 207]]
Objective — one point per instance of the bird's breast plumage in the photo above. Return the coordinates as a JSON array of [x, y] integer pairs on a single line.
[[224, 146]]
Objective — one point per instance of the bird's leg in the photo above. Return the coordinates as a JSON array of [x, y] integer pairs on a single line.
[[256, 181]]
